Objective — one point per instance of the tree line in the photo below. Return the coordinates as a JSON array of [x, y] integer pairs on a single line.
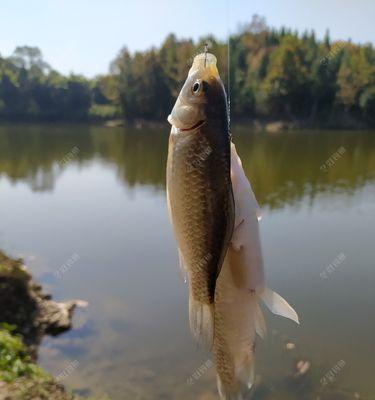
[[273, 74]]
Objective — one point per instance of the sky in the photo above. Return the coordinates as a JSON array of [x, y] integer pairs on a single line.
[[84, 36]]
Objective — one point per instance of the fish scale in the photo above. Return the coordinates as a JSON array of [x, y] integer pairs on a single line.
[[193, 197]]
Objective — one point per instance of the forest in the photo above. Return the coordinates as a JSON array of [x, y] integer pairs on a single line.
[[274, 74]]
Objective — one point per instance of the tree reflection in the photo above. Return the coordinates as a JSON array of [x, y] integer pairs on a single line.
[[283, 168]]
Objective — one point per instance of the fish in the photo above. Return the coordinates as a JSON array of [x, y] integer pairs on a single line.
[[199, 191], [240, 289], [215, 218]]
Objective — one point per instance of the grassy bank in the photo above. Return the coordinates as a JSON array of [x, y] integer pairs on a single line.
[[20, 377], [26, 315]]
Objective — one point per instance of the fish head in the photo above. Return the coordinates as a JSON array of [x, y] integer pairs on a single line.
[[200, 95]]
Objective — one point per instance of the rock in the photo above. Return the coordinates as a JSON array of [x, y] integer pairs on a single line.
[[24, 305], [274, 127], [290, 346], [278, 126], [114, 123], [302, 367]]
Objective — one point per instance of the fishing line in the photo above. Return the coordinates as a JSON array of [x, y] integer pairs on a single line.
[[228, 67]]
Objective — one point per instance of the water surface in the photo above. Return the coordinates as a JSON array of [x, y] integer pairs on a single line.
[[85, 207]]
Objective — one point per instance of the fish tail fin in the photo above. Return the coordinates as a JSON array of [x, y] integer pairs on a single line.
[[201, 318], [246, 375], [278, 305], [239, 319], [228, 392], [239, 386]]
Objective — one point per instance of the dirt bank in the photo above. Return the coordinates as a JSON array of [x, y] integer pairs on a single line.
[[26, 315]]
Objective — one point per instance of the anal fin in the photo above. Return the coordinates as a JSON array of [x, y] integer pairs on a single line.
[[201, 318], [278, 305]]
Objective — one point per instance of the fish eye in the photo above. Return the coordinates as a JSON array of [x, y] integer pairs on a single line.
[[196, 87]]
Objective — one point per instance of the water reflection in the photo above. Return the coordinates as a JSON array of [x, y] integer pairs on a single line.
[[283, 168], [106, 203]]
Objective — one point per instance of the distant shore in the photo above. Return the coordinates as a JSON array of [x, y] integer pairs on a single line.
[[343, 122], [270, 126]]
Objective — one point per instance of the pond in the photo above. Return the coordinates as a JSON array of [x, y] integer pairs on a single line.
[[85, 207]]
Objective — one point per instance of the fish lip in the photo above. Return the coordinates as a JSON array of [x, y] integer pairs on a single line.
[[194, 127], [170, 119], [191, 128]]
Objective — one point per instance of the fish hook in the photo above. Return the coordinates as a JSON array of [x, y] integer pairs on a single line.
[[205, 54]]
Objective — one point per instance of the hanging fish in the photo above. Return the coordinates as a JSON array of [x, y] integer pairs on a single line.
[[214, 216], [239, 289], [199, 187]]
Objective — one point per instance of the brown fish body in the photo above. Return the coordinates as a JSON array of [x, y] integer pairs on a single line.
[[199, 188], [201, 203]]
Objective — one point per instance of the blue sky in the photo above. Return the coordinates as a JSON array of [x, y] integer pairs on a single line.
[[83, 36]]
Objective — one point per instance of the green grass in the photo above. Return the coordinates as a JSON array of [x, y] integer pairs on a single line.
[[14, 359], [12, 268]]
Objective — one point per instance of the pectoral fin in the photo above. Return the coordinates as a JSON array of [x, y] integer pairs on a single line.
[[278, 305]]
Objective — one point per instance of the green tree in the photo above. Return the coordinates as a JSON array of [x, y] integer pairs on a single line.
[[355, 76], [287, 83]]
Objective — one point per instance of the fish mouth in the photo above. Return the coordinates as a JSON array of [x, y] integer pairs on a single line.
[[195, 126]]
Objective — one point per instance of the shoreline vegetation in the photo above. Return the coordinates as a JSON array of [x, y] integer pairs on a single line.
[[278, 78], [257, 125], [26, 316]]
